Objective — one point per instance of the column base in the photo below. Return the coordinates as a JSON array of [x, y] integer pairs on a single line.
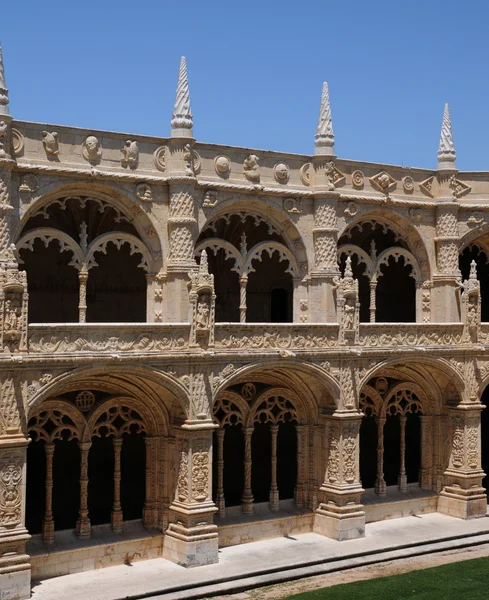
[[463, 504], [194, 547], [15, 569], [340, 522]]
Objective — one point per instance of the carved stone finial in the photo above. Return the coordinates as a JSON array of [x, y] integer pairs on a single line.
[[204, 263], [182, 122], [348, 269], [324, 139], [3, 88], [473, 270], [446, 150]]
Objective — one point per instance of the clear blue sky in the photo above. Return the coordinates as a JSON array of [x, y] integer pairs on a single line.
[[256, 70]]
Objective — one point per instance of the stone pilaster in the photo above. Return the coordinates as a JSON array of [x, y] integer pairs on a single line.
[[191, 538], [325, 235], [182, 236], [463, 495], [446, 282], [340, 515], [15, 569]]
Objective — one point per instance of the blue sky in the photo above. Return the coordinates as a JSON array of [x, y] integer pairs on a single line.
[[256, 69]]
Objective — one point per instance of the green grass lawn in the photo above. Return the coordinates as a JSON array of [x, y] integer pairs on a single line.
[[466, 580]]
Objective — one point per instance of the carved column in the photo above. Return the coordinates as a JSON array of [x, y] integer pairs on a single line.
[[82, 303], [150, 510], [15, 569], [301, 467], [446, 289], [116, 508], [325, 236], [426, 472], [243, 282], [83, 527], [220, 500], [380, 486], [340, 515], [48, 521], [274, 499], [463, 495], [247, 500], [5, 205], [402, 449], [191, 538], [182, 236], [373, 298]]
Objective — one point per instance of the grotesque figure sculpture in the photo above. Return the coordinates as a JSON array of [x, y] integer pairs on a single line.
[[92, 149], [51, 143]]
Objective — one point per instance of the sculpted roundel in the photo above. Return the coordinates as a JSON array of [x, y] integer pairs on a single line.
[[248, 391]]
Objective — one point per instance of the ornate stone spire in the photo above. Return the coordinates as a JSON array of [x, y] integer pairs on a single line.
[[181, 121], [3, 88], [324, 139], [446, 150]]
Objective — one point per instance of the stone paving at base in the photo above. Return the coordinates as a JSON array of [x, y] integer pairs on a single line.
[[157, 575]]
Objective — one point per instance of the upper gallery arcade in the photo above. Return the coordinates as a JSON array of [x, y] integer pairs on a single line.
[[189, 331]]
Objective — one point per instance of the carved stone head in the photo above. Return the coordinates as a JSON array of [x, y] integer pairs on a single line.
[[92, 149]]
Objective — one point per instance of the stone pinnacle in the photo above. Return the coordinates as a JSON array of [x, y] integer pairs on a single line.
[[181, 122], [324, 139], [446, 150], [3, 88]]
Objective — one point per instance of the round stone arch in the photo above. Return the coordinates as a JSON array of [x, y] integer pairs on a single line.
[[316, 389], [475, 237], [145, 224], [270, 212], [405, 230], [143, 410], [160, 393], [285, 393]]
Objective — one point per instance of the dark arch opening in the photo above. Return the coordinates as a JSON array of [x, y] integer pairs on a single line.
[[116, 288], [263, 305], [66, 483], [261, 470], [52, 284], [35, 487], [100, 480], [368, 451], [485, 436], [133, 475], [396, 293], [226, 285], [286, 459]]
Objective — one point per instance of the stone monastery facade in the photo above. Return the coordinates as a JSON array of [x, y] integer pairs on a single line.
[[204, 345]]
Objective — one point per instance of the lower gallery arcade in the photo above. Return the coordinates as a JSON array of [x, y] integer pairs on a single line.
[[116, 473]]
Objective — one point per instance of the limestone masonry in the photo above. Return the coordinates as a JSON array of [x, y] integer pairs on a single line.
[[204, 345]]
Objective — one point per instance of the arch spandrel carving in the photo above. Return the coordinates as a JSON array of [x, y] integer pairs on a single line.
[[272, 214], [314, 388], [404, 230], [113, 196], [154, 392]]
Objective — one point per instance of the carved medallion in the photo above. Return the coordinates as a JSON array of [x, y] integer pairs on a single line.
[[293, 206], [357, 179], [29, 183], [222, 164], [305, 174], [408, 184], [159, 158], [17, 142], [281, 172]]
